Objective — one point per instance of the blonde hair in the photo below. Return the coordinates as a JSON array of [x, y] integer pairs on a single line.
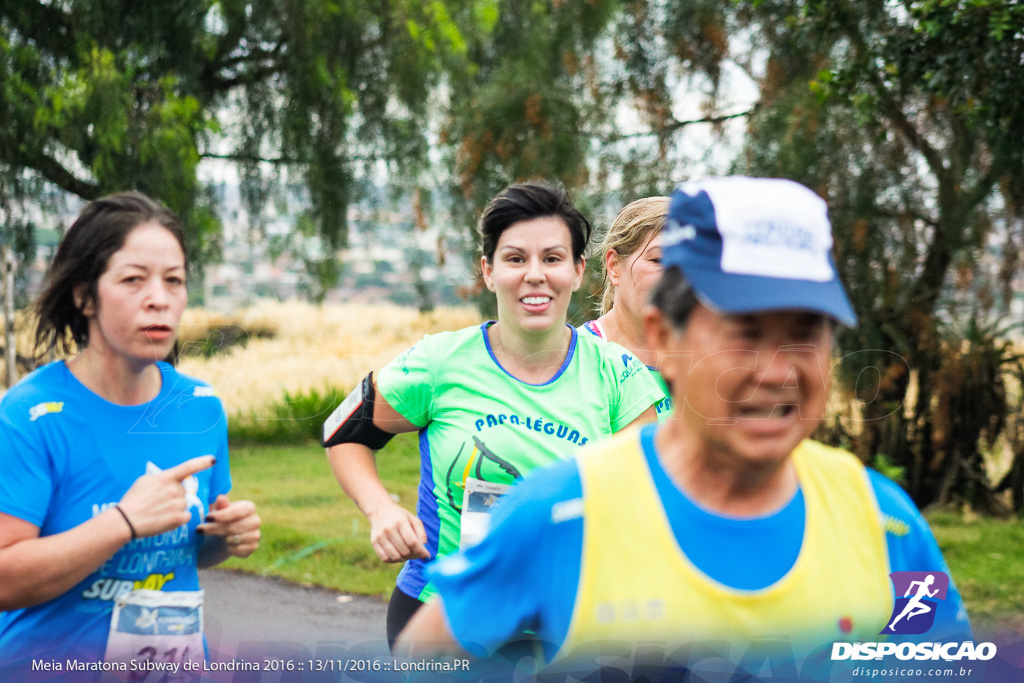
[[630, 230]]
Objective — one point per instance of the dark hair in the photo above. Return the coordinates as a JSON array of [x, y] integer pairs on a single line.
[[83, 255], [674, 297], [526, 201]]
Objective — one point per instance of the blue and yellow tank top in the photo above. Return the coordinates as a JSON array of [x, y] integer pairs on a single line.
[[838, 588]]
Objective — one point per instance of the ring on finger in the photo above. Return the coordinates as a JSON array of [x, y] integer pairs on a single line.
[[234, 539]]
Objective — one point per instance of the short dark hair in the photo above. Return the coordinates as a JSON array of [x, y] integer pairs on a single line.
[[674, 297], [526, 201], [84, 252]]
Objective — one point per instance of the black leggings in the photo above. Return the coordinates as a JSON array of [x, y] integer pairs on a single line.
[[401, 607], [400, 611]]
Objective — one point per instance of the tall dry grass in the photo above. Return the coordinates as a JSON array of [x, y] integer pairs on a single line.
[[24, 343], [292, 347], [314, 348]]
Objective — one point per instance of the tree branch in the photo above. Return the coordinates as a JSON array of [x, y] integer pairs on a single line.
[[677, 125], [895, 114], [884, 213], [924, 291], [266, 59], [51, 170], [252, 56], [892, 109], [976, 195], [255, 158], [230, 40]]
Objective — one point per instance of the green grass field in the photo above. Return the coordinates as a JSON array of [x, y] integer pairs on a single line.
[[986, 557], [312, 532]]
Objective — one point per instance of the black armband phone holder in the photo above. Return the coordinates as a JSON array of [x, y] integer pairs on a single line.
[[352, 421]]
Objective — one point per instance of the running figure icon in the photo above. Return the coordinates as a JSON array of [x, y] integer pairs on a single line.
[[914, 606]]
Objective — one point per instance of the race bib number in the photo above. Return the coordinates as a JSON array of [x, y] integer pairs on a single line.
[[477, 500], [155, 632]]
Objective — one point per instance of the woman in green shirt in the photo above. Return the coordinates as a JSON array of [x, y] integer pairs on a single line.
[[490, 402]]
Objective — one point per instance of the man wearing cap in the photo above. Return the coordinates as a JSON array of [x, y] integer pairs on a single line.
[[725, 524]]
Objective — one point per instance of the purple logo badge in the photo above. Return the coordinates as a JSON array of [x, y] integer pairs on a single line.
[[917, 597]]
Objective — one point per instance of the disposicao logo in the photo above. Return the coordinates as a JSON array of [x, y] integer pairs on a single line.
[[918, 595], [914, 613]]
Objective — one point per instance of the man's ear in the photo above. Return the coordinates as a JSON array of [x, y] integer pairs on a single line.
[[659, 335], [656, 329], [83, 302]]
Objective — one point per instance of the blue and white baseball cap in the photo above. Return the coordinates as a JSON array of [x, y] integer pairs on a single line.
[[749, 245]]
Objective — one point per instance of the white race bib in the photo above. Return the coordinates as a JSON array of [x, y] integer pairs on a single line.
[[477, 500], [154, 632]]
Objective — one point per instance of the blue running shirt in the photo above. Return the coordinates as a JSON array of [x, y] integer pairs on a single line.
[[66, 456]]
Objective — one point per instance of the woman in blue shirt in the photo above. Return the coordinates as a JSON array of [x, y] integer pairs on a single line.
[[115, 466]]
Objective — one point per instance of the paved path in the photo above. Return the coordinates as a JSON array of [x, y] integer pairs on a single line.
[[251, 617], [288, 633]]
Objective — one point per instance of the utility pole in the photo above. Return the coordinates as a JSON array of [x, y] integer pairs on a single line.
[[7, 266]]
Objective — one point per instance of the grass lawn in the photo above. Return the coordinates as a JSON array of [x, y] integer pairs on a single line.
[[986, 557], [312, 532]]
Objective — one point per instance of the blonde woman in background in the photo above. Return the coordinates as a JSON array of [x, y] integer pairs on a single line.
[[632, 266]]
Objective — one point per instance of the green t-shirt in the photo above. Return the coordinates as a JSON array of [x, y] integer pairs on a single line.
[[665, 404], [478, 420], [594, 328]]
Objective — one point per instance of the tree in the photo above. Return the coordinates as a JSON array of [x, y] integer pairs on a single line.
[[906, 117], [545, 97], [104, 95]]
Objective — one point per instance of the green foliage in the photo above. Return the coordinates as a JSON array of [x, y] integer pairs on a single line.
[[218, 338], [105, 95], [312, 532], [292, 419], [983, 555], [97, 98], [523, 108], [83, 101], [888, 468], [906, 117], [325, 275]]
